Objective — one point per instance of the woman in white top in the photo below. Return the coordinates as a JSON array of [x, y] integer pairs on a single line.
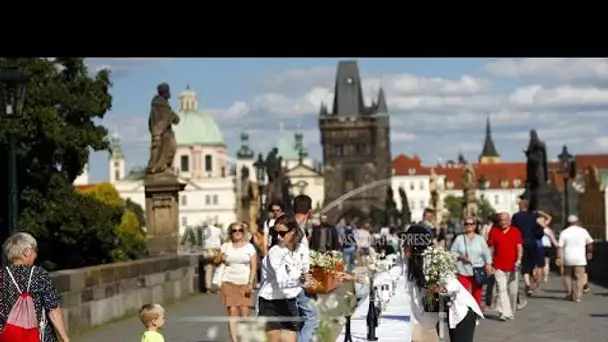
[[238, 276], [284, 269], [463, 311]]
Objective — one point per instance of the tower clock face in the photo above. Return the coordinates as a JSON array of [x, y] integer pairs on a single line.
[[350, 80]]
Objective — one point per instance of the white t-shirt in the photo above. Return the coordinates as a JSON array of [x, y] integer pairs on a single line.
[[281, 271], [213, 237], [546, 238], [574, 241], [363, 237], [237, 269]]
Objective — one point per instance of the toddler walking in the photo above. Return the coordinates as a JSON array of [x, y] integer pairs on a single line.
[[153, 317]]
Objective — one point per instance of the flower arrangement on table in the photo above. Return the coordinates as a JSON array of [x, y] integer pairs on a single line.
[[327, 269], [439, 264]]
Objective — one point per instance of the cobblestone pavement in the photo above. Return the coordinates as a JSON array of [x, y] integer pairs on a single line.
[[203, 307], [548, 317]]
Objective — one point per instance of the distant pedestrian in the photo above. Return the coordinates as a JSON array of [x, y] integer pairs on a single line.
[[506, 243], [474, 264], [153, 318], [527, 223], [575, 247]]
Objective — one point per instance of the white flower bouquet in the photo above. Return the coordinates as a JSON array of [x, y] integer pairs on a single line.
[[439, 264], [326, 269]]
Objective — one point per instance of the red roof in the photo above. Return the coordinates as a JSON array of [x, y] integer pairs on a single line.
[[84, 186], [500, 175]]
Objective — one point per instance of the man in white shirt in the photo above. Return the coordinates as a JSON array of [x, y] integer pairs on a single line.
[[212, 241], [575, 246]]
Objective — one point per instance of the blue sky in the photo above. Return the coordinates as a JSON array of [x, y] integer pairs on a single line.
[[437, 106]]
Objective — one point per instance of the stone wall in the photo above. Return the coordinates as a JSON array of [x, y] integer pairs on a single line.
[[598, 267], [96, 295]]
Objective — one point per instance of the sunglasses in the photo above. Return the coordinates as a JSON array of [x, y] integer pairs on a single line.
[[237, 231], [284, 232], [469, 223]]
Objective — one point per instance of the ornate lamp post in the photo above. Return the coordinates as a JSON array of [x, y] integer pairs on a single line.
[[568, 169], [260, 173], [13, 85], [483, 186]]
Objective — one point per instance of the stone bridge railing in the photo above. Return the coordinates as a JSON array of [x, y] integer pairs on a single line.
[[598, 267], [96, 295]]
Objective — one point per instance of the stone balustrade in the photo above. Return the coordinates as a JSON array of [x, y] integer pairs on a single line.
[[597, 268], [96, 295]]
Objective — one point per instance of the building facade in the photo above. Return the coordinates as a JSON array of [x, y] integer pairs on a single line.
[[201, 162]]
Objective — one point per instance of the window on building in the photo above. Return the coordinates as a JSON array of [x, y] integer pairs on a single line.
[[215, 199], [223, 171], [363, 149], [116, 164], [208, 163], [349, 179], [412, 186], [184, 221], [496, 199], [184, 200], [421, 204], [116, 175], [184, 163], [421, 185], [207, 199]]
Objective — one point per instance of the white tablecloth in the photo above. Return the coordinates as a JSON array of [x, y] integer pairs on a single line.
[[394, 323]]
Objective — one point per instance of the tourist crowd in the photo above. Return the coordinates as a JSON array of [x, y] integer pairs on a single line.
[[490, 257]]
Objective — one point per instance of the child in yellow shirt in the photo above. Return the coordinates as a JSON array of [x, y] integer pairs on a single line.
[[153, 317]]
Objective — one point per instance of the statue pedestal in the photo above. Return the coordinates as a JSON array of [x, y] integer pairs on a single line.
[[162, 213], [549, 200]]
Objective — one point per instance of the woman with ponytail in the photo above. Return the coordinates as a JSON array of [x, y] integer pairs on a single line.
[[462, 309]]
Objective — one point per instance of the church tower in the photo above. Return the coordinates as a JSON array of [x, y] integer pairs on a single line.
[[489, 155], [116, 162], [356, 148]]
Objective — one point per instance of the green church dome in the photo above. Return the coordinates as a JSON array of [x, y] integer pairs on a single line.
[[195, 127]]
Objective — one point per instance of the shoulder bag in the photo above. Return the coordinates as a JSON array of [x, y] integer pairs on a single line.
[[479, 273]]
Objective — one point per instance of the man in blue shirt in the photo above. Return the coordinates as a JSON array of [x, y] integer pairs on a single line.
[[526, 221]]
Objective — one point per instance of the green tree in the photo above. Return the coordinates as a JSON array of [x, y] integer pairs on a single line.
[[453, 205], [129, 233], [56, 131]]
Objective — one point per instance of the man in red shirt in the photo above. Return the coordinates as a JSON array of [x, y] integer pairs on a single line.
[[506, 244]]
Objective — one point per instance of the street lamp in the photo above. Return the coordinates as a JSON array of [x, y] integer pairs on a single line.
[[260, 173], [568, 169], [483, 186], [13, 84]]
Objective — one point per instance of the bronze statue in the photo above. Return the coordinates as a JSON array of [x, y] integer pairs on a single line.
[[273, 166], [162, 118], [406, 214], [391, 207], [537, 162], [246, 189]]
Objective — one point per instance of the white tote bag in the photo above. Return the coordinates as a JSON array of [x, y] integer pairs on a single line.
[[218, 274]]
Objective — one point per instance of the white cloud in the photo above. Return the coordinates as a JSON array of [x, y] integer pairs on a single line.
[[568, 70]]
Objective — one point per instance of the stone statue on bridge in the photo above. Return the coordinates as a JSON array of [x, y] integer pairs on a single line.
[[536, 167], [406, 213], [160, 123]]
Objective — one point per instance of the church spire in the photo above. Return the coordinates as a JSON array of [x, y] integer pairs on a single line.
[[489, 155], [348, 93], [381, 107]]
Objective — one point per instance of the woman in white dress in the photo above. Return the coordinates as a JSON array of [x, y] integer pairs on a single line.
[[462, 311]]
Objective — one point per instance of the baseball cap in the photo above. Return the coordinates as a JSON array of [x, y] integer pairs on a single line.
[[572, 219]]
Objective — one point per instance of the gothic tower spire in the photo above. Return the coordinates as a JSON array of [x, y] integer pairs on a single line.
[[489, 155]]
